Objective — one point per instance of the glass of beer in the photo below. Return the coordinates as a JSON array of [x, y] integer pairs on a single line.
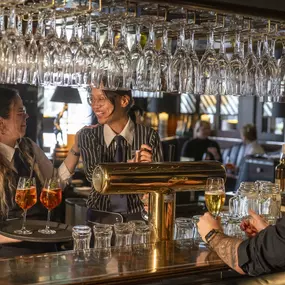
[[215, 195], [51, 197], [26, 197]]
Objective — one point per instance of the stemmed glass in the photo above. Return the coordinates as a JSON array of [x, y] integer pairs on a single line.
[[148, 68], [215, 195], [281, 66], [237, 66], [95, 55], [252, 72], [3, 46], [11, 55], [164, 60], [180, 69], [21, 53], [224, 70], [124, 58], [31, 71], [109, 68], [209, 67], [136, 54], [50, 197], [196, 67], [91, 50], [269, 71], [26, 197]]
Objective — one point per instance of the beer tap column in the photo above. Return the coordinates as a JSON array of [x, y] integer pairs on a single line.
[[161, 181]]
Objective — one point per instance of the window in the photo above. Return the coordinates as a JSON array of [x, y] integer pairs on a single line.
[[76, 117]]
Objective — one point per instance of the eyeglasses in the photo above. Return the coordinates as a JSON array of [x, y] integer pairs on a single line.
[[99, 102]]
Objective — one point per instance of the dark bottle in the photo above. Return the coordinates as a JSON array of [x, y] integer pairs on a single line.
[[280, 171]]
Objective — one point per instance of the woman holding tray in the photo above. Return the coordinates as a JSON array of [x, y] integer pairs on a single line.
[[18, 155]]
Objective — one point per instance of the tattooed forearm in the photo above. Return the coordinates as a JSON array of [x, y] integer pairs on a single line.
[[227, 249]]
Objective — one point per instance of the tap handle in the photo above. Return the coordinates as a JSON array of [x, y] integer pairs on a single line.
[[171, 152]]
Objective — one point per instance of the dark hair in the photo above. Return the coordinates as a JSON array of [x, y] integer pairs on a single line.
[[112, 94], [7, 97], [249, 132]]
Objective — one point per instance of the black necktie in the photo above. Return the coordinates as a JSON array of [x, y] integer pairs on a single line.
[[20, 165], [119, 153], [119, 203]]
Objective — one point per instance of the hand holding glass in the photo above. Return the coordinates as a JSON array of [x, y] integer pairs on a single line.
[[215, 195], [51, 197], [26, 197]]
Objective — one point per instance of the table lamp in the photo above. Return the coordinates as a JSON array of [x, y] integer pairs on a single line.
[[66, 95]]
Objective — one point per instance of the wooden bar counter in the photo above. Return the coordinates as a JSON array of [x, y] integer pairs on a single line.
[[162, 261]]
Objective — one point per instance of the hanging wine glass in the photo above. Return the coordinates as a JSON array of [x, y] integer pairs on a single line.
[[180, 69], [196, 68], [80, 65], [3, 47], [11, 55], [96, 54], [209, 67], [237, 67], [148, 68], [164, 57], [42, 49], [124, 58], [31, 71], [136, 54], [269, 71], [109, 68], [251, 73], [281, 66], [21, 52], [224, 70], [91, 50]]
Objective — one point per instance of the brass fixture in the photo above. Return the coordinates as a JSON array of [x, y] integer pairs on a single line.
[[161, 181]]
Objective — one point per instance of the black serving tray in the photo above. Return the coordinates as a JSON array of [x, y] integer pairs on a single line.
[[63, 231]]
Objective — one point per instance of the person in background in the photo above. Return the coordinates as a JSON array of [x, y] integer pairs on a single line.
[[263, 252], [249, 138], [16, 157], [201, 147], [117, 138]]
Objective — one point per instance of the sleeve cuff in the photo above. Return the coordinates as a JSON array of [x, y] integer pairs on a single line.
[[243, 257], [64, 173]]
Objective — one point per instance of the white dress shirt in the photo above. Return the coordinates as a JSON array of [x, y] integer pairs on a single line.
[[253, 148], [44, 163], [127, 133]]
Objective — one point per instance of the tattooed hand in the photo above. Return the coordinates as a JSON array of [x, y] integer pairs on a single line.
[[226, 247], [207, 223]]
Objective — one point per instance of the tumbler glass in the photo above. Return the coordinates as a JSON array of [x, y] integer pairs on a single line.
[[81, 237], [142, 238], [184, 232], [102, 235], [196, 236], [124, 234]]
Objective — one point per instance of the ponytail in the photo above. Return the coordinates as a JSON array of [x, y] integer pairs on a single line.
[[132, 112]]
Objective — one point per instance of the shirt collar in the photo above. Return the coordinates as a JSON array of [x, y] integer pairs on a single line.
[[8, 151], [127, 133]]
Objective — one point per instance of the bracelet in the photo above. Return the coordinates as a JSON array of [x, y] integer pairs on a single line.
[[74, 152]]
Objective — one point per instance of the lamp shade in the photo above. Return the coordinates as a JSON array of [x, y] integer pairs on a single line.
[[278, 110], [66, 95]]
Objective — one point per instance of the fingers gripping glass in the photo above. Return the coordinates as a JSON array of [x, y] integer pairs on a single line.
[[215, 195]]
